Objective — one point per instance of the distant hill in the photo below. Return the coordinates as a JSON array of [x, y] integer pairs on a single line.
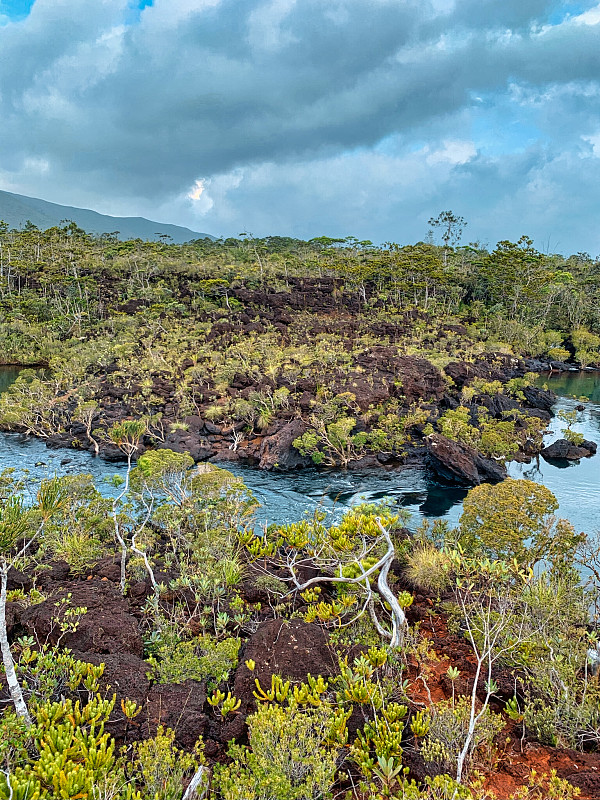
[[16, 209]]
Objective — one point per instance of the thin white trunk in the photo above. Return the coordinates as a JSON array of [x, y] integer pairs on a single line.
[[16, 693], [118, 535], [199, 785]]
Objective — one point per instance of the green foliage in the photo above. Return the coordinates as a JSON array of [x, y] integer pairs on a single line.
[[494, 438], [203, 658], [570, 418], [587, 346], [14, 522], [448, 727], [72, 756], [428, 568], [292, 755], [515, 519], [48, 673], [160, 767], [164, 472], [79, 530]]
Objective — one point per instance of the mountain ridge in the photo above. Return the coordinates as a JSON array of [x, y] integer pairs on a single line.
[[16, 209]]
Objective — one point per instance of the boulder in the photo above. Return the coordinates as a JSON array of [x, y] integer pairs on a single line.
[[460, 464], [563, 449], [277, 451], [18, 580], [109, 568], [13, 616], [290, 649], [106, 627], [463, 372], [197, 446], [179, 706], [536, 397], [125, 676]]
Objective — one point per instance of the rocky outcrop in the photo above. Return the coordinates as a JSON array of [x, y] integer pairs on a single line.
[[460, 464], [179, 706], [563, 449], [541, 399], [106, 627], [278, 452], [125, 676], [291, 649]]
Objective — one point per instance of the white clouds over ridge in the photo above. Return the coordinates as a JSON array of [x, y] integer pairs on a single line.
[[304, 117]]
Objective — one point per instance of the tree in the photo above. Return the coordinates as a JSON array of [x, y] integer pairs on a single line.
[[18, 532], [350, 555], [519, 277], [495, 623], [127, 436], [515, 519], [451, 227]]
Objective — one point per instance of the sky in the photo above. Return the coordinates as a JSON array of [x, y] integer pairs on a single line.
[[310, 117]]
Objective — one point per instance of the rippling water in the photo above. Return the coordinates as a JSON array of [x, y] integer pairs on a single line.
[[286, 497], [575, 484]]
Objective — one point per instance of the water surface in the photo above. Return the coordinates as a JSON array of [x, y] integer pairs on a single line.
[[286, 497]]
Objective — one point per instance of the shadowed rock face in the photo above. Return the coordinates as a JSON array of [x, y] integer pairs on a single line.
[[180, 707], [460, 464], [125, 676], [277, 450], [563, 449]]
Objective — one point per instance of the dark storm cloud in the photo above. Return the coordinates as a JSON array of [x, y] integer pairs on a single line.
[[242, 93]]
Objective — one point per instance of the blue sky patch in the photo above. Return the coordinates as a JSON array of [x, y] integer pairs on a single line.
[[19, 9], [16, 9]]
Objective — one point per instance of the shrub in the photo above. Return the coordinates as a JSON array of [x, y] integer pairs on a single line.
[[448, 728], [514, 519], [272, 585], [427, 568], [291, 756], [71, 756], [161, 766], [204, 658]]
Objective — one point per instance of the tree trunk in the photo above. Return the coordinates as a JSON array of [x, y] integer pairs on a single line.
[[199, 785], [14, 687]]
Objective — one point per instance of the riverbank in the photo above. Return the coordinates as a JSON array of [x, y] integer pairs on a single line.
[[394, 411], [290, 496]]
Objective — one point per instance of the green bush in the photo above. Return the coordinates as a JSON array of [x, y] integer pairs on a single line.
[[203, 658], [69, 756], [161, 767], [428, 568], [290, 757], [448, 728]]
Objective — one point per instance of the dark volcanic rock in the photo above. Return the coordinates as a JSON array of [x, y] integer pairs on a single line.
[[18, 580], [109, 568], [563, 449], [106, 627], [542, 399], [13, 616], [463, 372], [125, 676], [197, 446], [420, 379], [290, 649], [278, 451], [179, 706], [460, 464]]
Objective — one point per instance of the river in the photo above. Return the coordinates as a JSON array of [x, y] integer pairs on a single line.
[[286, 497]]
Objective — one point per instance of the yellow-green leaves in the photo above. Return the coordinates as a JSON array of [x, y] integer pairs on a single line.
[[14, 521], [514, 520]]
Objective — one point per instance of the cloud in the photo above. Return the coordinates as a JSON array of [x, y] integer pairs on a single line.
[[287, 115]]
